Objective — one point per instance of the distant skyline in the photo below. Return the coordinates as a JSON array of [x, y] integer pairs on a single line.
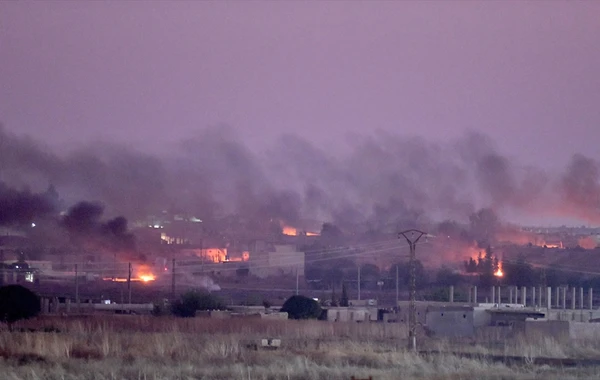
[[148, 74]]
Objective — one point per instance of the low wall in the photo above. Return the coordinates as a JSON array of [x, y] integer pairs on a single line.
[[572, 315], [584, 331], [215, 314], [277, 316], [558, 330]]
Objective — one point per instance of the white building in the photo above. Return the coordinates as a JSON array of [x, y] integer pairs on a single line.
[[277, 260]]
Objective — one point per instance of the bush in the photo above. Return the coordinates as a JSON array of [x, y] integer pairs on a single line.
[[161, 308], [301, 307], [192, 301], [16, 303]]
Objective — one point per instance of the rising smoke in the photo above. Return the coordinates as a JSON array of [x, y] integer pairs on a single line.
[[22, 207], [385, 182], [85, 228]]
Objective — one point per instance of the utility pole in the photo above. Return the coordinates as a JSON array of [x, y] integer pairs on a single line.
[[412, 237], [397, 285], [114, 276], [129, 285], [359, 280], [77, 287], [297, 292], [202, 254], [173, 279]]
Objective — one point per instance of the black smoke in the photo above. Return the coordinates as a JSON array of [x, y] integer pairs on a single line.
[[382, 183], [18, 208], [85, 227]]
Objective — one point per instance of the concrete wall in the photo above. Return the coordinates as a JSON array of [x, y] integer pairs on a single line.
[[275, 316], [584, 331], [351, 314], [573, 315], [367, 302], [532, 330], [241, 309], [481, 317], [450, 323], [215, 314], [283, 260], [561, 331]]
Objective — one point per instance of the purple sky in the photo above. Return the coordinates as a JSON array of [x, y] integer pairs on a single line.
[[526, 73]]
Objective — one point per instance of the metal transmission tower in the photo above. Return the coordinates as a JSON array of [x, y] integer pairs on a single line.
[[412, 237]]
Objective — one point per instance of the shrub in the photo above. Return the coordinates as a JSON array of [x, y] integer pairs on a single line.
[[301, 307], [192, 301], [16, 303], [161, 308]]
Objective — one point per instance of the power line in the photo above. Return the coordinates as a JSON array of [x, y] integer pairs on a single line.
[[331, 250], [293, 260]]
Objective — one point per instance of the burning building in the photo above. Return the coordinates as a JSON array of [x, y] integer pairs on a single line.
[[277, 260]]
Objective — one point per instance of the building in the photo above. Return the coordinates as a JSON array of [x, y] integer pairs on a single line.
[[352, 314], [211, 255], [455, 321], [277, 260]]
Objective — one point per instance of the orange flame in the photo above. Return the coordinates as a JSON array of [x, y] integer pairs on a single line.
[[147, 277], [499, 272], [290, 231]]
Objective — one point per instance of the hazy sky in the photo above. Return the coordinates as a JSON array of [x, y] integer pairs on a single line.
[[526, 73]]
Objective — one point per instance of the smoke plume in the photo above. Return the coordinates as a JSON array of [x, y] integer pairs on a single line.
[[83, 223], [383, 183], [22, 207]]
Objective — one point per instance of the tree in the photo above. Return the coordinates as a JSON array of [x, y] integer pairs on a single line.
[[471, 265], [334, 301], [192, 301], [486, 267], [314, 272], [370, 272], [446, 277], [404, 274], [519, 273], [301, 307], [344, 300], [16, 303]]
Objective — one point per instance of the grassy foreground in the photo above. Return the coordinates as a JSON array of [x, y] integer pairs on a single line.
[[144, 347]]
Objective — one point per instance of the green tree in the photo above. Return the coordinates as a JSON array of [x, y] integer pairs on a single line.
[[370, 273], [16, 303], [471, 265], [519, 272], [404, 274], [446, 277], [193, 301], [486, 268], [301, 307], [344, 301], [334, 300]]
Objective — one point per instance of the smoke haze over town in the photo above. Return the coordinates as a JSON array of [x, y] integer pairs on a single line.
[[369, 118], [429, 169], [384, 181]]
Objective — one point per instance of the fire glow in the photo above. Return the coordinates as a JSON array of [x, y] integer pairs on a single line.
[[498, 272], [147, 277], [141, 274], [291, 231], [141, 278]]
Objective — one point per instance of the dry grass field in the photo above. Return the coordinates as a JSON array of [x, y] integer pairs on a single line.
[[145, 347]]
